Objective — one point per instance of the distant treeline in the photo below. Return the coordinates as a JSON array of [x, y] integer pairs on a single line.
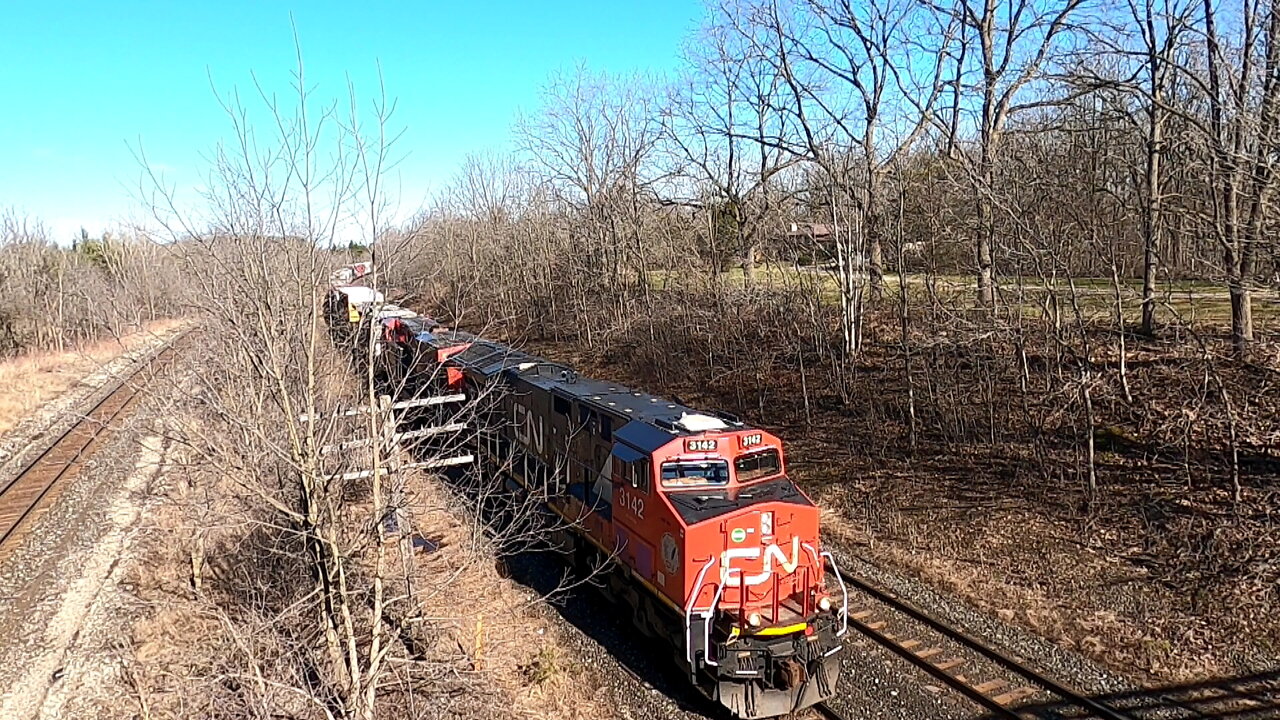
[[53, 297]]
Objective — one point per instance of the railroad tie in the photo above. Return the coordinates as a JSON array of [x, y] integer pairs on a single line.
[[1014, 695], [877, 625], [989, 686], [1246, 695], [908, 644], [949, 663], [862, 614], [928, 653]]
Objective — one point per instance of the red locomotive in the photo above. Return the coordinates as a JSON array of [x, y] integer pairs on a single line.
[[704, 537]]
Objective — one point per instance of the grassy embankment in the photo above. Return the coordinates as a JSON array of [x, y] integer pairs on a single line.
[[31, 380]]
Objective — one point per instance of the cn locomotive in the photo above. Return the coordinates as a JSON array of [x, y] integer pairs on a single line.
[[705, 540]]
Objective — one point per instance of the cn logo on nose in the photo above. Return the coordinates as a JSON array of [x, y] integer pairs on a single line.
[[734, 577]]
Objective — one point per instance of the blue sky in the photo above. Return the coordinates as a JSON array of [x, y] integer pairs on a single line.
[[84, 81]]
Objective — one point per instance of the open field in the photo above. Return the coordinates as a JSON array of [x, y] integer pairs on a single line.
[[1194, 303]]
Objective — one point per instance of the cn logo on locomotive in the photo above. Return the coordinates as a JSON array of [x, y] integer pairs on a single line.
[[670, 554], [528, 427], [736, 577]]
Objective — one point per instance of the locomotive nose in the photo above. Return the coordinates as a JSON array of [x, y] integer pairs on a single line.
[[758, 550], [743, 530]]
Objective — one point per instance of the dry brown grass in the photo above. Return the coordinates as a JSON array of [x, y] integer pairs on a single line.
[[490, 626], [476, 645], [30, 381]]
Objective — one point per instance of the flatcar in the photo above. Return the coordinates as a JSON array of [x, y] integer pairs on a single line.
[[706, 543]]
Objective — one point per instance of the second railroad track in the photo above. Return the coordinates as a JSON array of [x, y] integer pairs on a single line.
[[24, 495], [897, 626]]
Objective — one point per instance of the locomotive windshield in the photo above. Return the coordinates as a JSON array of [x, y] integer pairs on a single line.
[[758, 465], [695, 473]]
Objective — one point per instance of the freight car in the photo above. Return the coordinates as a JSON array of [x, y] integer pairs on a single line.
[[704, 539], [356, 312]]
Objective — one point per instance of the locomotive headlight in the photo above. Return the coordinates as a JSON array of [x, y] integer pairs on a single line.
[[766, 524], [824, 603], [754, 620]]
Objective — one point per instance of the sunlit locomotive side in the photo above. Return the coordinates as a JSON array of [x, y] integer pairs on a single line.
[[706, 542]]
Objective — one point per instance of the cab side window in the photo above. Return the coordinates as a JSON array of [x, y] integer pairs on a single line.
[[560, 405], [638, 475]]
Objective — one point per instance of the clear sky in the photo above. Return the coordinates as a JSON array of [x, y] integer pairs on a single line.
[[81, 82]]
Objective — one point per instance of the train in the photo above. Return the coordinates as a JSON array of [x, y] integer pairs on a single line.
[[705, 542]]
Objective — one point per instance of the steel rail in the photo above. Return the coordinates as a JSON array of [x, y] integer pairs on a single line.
[[968, 641], [90, 428], [941, 675], [828, 712]]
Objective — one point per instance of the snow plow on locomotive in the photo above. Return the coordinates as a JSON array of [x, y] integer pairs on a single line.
[[699, 530]]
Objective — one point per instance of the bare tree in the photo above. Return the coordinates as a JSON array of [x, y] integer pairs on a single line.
[[1161, 25], [1004, 50], [854, 102], [591, 140], [1241, 83], [54, 298], [279, 202], [722, 123]]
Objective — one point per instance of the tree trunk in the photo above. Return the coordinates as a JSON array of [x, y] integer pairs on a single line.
[[1241, 317], [850, 298], [872, 226], [986, 275], [1149, 286], [1091, 457], [986, 218], [1151, 221], [875, 262]]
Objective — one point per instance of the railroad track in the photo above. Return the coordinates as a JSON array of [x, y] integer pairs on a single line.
[[1026, 693], [1000, 698], [23, 496]]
